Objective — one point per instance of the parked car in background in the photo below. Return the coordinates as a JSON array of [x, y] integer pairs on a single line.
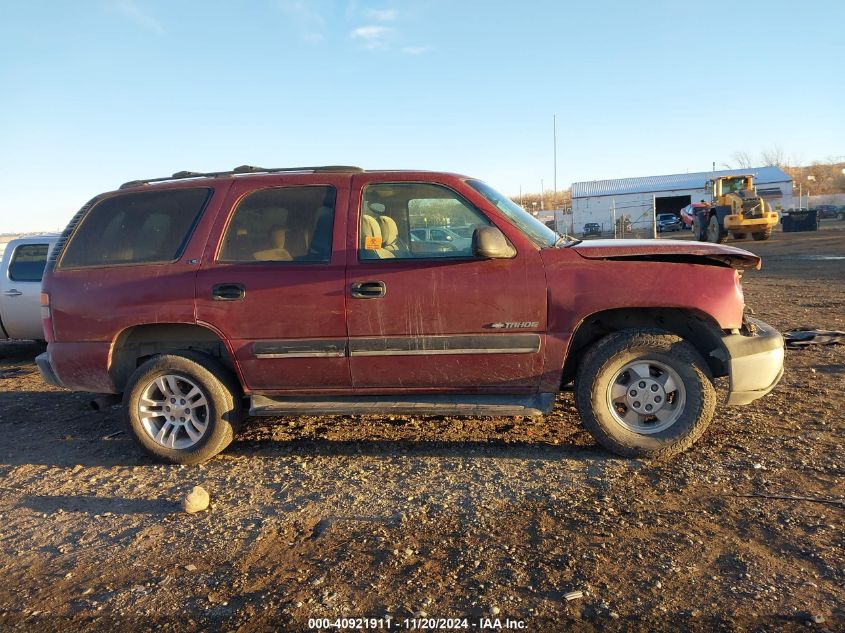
[[21, 269], [199, 297], [688, 213], [592, 228], [668, 222], [830, 212], [444, 238]]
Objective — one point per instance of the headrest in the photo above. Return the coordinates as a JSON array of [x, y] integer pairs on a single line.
[[370, 226], [389, 230]]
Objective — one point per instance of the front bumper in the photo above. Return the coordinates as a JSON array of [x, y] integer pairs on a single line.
[[755, 362], [42, 361], [737, 222]]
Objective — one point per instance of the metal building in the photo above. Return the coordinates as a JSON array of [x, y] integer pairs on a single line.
[[630, 204]]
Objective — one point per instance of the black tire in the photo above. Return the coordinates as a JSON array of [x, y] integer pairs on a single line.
[[604, 360], [699, 227], [716, 231], [739, 236], [222, 413], [761, 236]]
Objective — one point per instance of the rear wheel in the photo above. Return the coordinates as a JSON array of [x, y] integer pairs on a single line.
[[644, 393], [715, 231], [760, 236], [183, 408]]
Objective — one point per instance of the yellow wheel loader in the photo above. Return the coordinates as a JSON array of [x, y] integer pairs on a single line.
[[736, 209]]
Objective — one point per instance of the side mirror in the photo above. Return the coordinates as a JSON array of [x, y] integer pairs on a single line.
[[491, 243]]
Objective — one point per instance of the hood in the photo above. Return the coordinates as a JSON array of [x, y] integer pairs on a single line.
[[677, 251]]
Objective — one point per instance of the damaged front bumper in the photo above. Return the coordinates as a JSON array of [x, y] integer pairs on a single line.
[[755, 361]]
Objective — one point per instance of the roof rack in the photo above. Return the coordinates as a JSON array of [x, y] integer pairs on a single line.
[[242, 169]]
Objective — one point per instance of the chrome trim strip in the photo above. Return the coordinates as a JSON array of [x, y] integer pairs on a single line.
[[437, 345], [435, 352], [314, 354], [445, 345], [300, 348]]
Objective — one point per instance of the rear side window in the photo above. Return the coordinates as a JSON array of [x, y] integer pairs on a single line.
[[136, 228], [28, 262], [281, 224]]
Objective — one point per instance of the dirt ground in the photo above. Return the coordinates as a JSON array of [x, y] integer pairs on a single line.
[[439, 517]]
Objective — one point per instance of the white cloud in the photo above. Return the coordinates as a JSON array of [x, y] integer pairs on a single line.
[[306, 17], [132, 11], [383, 15], [373, 35], [415, 50]]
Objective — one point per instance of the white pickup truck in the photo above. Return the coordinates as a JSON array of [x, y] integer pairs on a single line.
[[21, 269]]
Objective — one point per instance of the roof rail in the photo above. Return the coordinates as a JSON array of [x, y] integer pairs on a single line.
[[242, 169]]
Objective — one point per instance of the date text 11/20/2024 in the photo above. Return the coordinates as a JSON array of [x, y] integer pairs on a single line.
[[387, 623]]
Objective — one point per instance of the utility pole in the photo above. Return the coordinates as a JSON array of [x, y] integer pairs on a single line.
[[554, 139], [613, 215], [542, 194], [653, 216]]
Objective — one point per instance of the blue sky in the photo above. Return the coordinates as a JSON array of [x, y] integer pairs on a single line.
[[96, 92]]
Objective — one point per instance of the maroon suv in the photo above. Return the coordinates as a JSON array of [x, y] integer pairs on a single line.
[[286, 291]]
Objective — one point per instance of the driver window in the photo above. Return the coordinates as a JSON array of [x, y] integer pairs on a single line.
[[416, 221]]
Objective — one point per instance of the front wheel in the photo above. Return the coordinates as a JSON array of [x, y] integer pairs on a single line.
[[716, 232], [760, 236], [699, 227], [644, 393], [183, 407]]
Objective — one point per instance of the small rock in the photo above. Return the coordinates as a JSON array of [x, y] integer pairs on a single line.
[[196, 501], [573, 595], [409, 552], [495, 611], [190, 567], [614, 615], [818, 619], [758, 466], [658, 584]]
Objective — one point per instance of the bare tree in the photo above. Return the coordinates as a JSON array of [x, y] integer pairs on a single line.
[[773, 157], [742, 159]]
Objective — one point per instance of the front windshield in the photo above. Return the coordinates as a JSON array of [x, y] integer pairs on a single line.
[[536, 231]]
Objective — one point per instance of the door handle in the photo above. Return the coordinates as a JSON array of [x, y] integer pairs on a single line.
[[368, 289], [13, 293], [228, 292]]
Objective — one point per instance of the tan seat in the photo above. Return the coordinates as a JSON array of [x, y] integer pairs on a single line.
[[370, 228], [278, 251], [389, 232]]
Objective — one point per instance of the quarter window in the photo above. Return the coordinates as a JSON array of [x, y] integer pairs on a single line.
[[136, 228], [281, 224], [28, 262], [416, 221]]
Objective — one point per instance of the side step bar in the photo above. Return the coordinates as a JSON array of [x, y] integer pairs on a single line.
[[470, 405]]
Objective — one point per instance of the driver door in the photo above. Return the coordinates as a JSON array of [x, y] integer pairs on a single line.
[[426, 315]]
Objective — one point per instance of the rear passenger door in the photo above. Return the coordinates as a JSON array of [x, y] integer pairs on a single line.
[[272, 281], [20, 289]]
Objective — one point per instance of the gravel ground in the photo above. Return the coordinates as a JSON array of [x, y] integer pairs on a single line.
[[404, 517]]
